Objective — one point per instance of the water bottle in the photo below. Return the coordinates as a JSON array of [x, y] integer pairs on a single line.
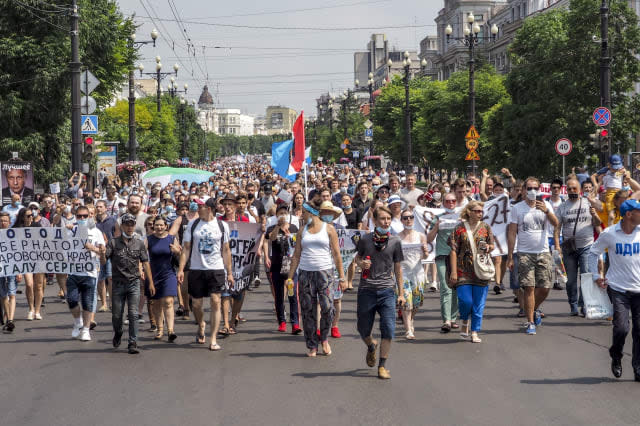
[[290, 288], [365, 272]]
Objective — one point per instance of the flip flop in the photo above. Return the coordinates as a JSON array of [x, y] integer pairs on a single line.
[[200, 339], [445, 328], [232, 331], [215, 347]]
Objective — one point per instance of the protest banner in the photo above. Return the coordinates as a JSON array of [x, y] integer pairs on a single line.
[[425, 216], [16, 177], [243, 243], [46, 250], [496, 214], [348, 242]]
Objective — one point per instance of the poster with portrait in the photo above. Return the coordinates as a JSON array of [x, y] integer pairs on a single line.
[[106, 160], [16, 177], [635, 166]]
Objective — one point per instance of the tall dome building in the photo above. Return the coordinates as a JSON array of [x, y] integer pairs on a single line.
[[207, 114]]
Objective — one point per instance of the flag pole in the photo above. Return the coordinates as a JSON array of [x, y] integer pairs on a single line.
[[306, 192]]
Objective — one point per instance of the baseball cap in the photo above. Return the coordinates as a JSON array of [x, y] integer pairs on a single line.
[[396, 199], [128, 218], [616, 162], [211, 203], [628, 206]]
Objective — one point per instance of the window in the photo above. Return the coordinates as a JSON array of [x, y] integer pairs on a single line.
[[478, 17]]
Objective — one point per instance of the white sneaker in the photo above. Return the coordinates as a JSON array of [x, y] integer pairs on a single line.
[[85, 336], [38, 316], [30, 316], [126, 322], [75, 333], [140, 320]]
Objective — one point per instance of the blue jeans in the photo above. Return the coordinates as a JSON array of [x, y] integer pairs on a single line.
[[471, 300], [384, 303], [105, 271], [129, 292], [573, 261], [82, 289]]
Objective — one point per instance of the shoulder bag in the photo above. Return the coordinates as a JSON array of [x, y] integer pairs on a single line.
[[482, 264], [569, 245]]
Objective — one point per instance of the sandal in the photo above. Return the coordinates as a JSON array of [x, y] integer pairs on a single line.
[[224, 331], [464, 331], [312, 353], [232, 331], [455, 326], [445, 328], [214, 347], [475, 338], [172, 336], [200, 339]]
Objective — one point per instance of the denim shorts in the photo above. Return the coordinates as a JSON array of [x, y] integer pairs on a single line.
[[83, 290], [8, 286], [105, 271], [381, 301]]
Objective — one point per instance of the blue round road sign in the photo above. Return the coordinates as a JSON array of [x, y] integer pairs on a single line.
[[602, 116]]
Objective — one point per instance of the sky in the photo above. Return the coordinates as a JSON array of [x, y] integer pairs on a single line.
[[304, 52]]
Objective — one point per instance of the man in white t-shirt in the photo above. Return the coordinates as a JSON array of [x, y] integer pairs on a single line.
[[206, 247], [82, 286], [622, 242], [410, 193], [530, 222]]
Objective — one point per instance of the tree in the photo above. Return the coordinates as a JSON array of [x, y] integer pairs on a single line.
[[554, 86], [35, 82]]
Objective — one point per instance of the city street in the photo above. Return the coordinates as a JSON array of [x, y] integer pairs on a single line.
[[560, 376]]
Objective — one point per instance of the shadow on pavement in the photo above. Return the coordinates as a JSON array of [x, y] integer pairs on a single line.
[[271, 355], [359, 372], [575, 380]]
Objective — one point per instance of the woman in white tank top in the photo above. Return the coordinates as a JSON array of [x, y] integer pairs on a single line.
[[316, 245]]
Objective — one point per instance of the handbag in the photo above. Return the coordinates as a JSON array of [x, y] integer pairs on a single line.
[[286, 259], [482, 264], [569, 245]]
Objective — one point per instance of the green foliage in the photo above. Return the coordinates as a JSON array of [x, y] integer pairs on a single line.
[[555, 86], [35, 83]]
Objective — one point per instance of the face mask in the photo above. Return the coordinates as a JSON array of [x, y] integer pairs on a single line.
[[346, 206], [531, 195], [35, 213], [81, 222], [169, 209], [16, 203], [448, 210], [626, 188], [573, 196], [193, 206], [176, 187], [375, 187], [67, 210], [437, 196], [327, 218], [447, 189], [122, 210], [91, 223], [343, 189], [407, 227], [124, 234], [381, 230]]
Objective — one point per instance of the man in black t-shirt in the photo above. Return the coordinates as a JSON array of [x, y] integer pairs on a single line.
[[280, 235]]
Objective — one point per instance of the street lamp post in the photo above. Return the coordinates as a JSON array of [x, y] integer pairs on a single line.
[[370, 84], [132, 95], [471, 40], [407, 113], [183, 129], [330, 107], [172, 88], [158, 76]]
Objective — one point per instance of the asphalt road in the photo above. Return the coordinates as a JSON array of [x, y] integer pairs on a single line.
[[560, 376]]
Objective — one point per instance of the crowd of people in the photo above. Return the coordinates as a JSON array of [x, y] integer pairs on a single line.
[[167, 247]]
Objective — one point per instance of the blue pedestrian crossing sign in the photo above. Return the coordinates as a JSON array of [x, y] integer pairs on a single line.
[[89, 125]]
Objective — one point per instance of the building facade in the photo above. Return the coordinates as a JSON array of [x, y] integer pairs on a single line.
[[222, 121], [279, 119]]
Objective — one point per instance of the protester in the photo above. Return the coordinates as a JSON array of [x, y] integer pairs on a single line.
[[469, 237], [8, 286], [210, 238], [530, 221], [126, 252], [316, 245], [379, 256]]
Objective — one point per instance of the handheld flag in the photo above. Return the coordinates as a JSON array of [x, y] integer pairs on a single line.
[[298, 145]]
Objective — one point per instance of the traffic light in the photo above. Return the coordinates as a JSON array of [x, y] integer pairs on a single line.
[[595, 138], [88, 146]]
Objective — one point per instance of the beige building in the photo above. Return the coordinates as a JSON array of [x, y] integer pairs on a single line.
[[280, 119]]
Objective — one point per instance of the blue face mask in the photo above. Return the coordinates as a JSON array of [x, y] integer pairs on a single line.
[[626, 188], [327, 218], [81, 222], [381, 230], [169, 209], [346, 206], [193, 206]]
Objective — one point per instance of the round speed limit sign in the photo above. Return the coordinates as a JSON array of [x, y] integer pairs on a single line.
[[564, 146]]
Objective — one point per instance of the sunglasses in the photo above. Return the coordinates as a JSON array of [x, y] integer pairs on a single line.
[[532, 188], [383, 191], [82, 216], [407, 217], [449, 201], [28, 215], [555, 187]]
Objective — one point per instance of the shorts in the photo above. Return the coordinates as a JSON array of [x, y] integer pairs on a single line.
[[82, 289], [8, 286], [202, 283], [534, 270], [105, 271]]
